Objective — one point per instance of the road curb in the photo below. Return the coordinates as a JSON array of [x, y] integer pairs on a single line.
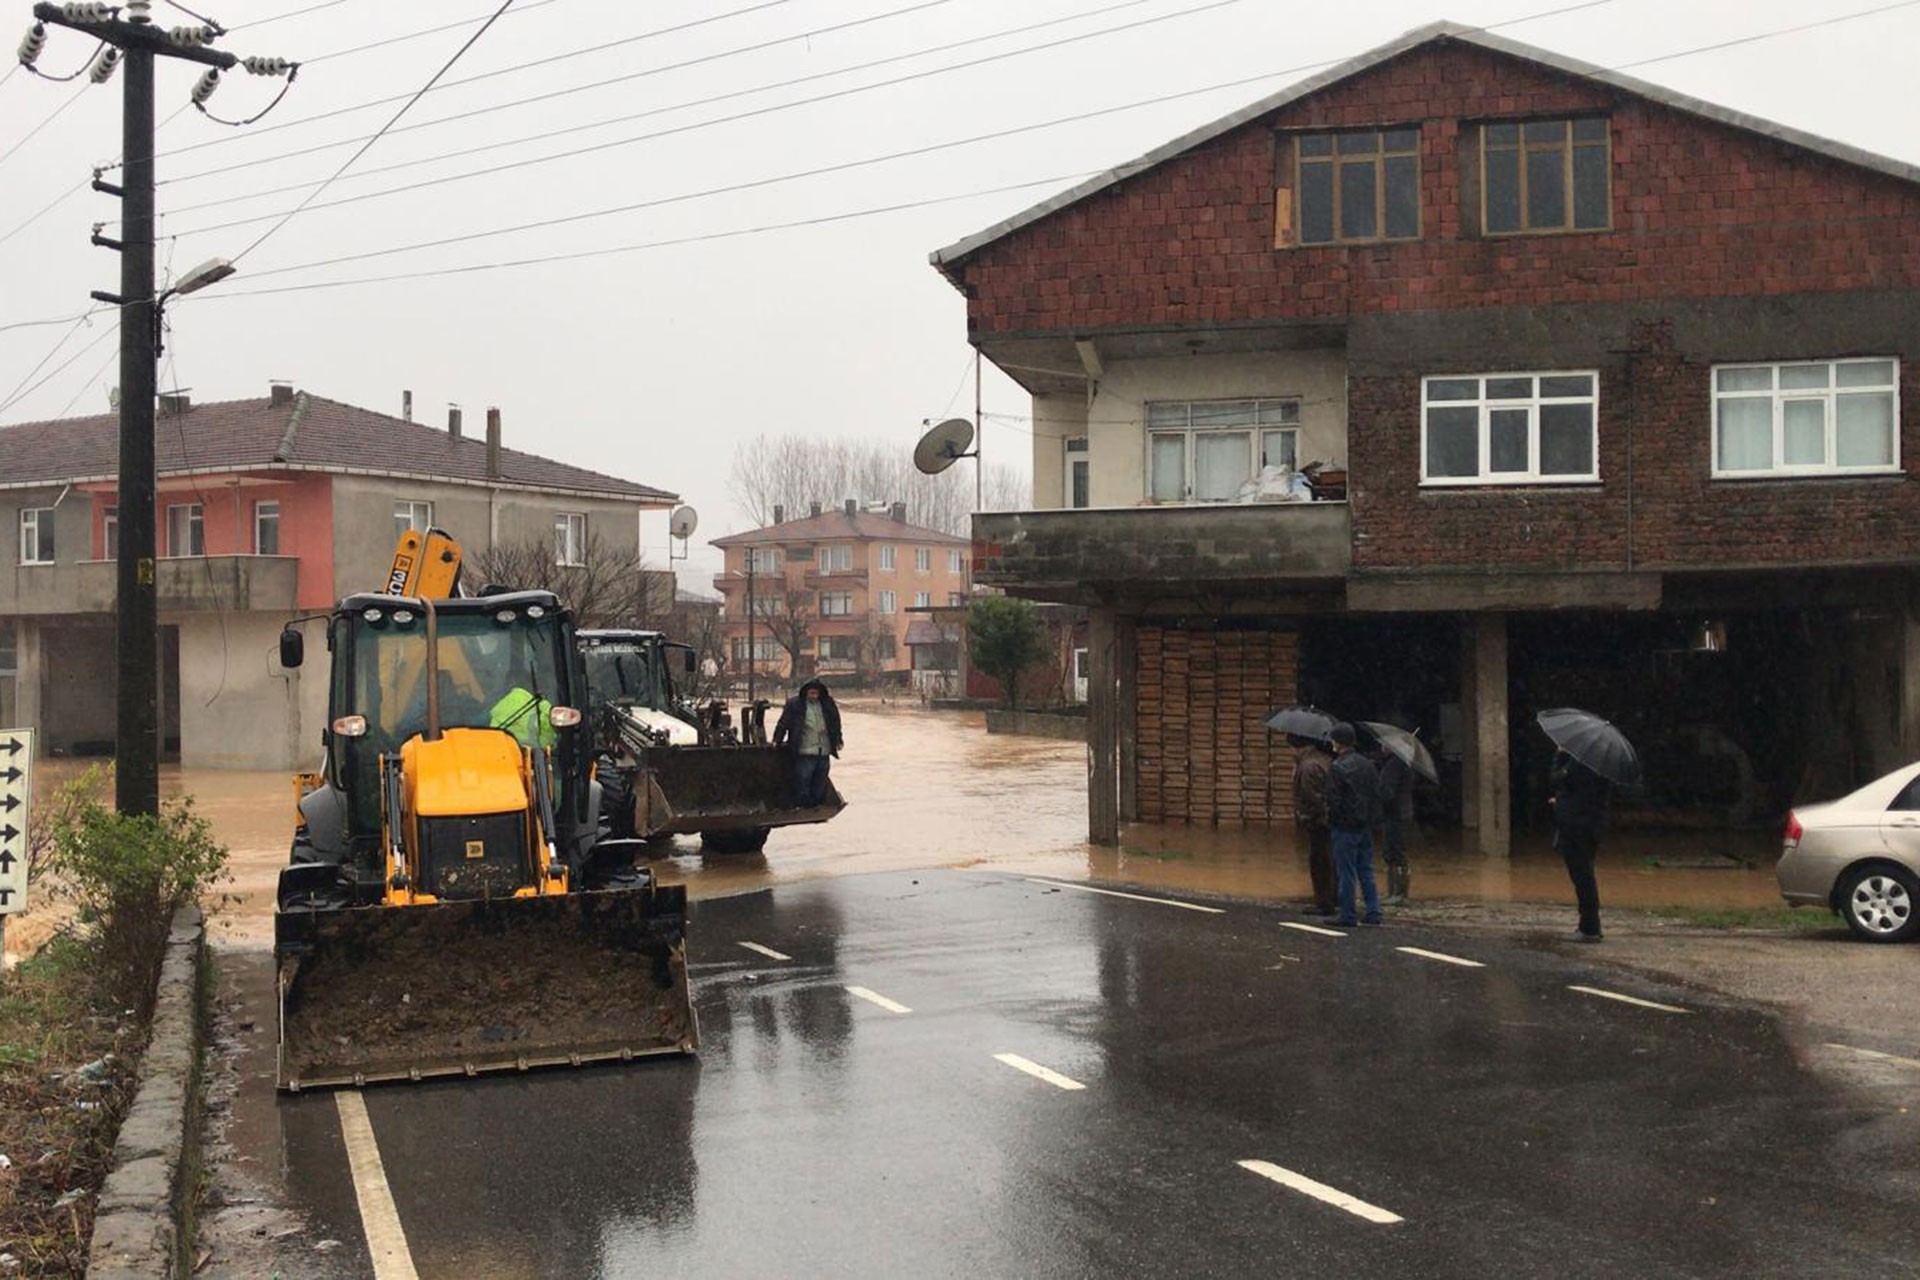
[[141, 1224]]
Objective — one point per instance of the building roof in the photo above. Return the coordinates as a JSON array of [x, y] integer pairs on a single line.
[[922, 631], [948, 258], [828, 526], [304, 433]]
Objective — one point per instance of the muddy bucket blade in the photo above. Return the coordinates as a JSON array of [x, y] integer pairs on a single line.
[[396, 993], [699, 789]]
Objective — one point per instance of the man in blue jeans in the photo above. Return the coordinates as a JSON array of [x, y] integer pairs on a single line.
[[1353, 810]]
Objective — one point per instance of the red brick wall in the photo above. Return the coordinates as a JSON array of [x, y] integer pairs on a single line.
[[1205, 755], [1699, 210]]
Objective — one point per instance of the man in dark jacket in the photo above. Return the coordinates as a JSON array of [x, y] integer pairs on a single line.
[[1310, 765], [1579, 811], [1353, 809], [809, 728]]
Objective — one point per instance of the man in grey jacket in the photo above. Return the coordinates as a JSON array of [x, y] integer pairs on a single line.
[[1353, 809]]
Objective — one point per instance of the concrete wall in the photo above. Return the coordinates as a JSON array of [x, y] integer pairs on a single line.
[[239, 709], [1038, 724], [76, 683], [20, 584]]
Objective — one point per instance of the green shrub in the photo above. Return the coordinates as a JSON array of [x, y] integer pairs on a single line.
[[127, 875], [1005, 636]]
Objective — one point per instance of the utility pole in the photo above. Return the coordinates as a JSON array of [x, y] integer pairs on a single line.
[[979, 439], [752, 656], [136, 643]]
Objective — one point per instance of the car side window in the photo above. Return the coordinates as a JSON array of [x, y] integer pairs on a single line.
[[1908, 799]]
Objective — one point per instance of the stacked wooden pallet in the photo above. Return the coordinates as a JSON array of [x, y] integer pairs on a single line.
[[1202, 700]]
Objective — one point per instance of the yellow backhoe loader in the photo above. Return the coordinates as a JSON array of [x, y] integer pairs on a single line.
[[449, 906]]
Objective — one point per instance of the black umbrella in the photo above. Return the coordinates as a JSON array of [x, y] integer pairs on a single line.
[[1303, 722], [1401, 742], [1593, 742]]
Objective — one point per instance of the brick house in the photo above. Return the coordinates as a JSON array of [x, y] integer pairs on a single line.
[[840, 585], [1463, 380], [267, 509]]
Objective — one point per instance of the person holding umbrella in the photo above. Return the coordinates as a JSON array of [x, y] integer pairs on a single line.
[[1353, 809], [1400, 755], [1590, 758], [1306, 729]]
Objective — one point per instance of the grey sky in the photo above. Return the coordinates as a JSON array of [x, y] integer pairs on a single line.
[[654, 364]]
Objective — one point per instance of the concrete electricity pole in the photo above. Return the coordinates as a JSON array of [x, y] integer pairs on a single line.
[[137, 650]]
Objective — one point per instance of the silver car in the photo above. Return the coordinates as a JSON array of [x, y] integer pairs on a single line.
[[1860, 856]]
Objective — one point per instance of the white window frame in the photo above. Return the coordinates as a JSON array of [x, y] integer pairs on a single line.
[[955, 599], [761, 560], [923, 599], [411, 517], [265, 510], [887, 558], [33, 521], [923, 559], [196, 531], [1077, 460], [1532, 475], [837, 558], [110, 530], [836, 604], [570, 539], [954, 563], [765, 649], [1255, 431], [889, 602], [1781, 470]]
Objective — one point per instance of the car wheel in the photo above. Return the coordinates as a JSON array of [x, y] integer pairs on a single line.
[[1879, 903]]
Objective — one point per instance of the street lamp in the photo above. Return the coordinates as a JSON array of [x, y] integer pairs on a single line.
[[212, 271]]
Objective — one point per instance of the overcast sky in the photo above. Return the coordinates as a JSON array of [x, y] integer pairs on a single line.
[[654, 364]]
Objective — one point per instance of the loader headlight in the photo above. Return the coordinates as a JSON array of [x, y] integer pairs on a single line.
[[373, 615], [536, 611], [505, 617], [563, 717], [402, 617], [350, 726]]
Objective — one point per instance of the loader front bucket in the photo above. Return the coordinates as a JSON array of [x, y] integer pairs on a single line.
[[702, 789], [457, 988]]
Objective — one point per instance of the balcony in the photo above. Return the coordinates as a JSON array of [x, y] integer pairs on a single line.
[[1081, 555], [836, 578], [197, 584]]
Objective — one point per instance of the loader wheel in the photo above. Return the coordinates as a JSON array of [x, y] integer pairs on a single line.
[[752, 840]]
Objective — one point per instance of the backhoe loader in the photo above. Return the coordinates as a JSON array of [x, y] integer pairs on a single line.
[[449, 906], [669, 769]]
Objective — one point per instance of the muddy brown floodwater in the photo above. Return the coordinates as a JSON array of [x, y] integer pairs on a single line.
[[932, 789]]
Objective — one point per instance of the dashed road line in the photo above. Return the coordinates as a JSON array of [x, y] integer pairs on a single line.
[[1624, 999], [768, 952], [1037, 1071], [1137, 897], [379, 1219], [891, 1006], [1878, 1056], [1442, 957], [1321, 1191], [1312, 928]]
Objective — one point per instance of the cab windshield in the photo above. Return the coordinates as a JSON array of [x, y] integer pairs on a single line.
[[626, 671]]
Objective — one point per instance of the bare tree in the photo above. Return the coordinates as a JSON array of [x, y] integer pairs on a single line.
[[794, 471], [785, 609], [607, 588], [876, 647]]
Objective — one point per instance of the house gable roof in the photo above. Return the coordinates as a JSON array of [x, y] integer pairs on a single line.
[[308, 433], [828, 526], [949, 259]]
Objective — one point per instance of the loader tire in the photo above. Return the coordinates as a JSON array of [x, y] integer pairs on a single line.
[[752, 840]]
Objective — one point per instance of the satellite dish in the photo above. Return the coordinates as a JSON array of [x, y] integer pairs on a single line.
[[683, 522], [942, 446]]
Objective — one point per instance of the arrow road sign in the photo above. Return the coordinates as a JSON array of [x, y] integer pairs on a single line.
[[9, 776], [6, 861], [13, 746], [9, 803], [8, 832], [16, 804]]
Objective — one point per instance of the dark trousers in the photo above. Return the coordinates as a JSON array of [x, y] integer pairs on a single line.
[[812, 779], [1577, 847], [1393, 841], [1353, 858], [1320, 866]]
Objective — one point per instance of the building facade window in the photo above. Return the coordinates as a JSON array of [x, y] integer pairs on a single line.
[[1509, 428], [186, 530], [9, 671], [889, 602], [834, 559], [1821, 417], [110, 532], [36, 535], [1079, 473], [836, 604], [1358, 185], [956, 597], [569, 538], [762, 560], [923, 559], [956, 563], [923, 599], [886, 559], [412, 517], [1546, 175], [839, 648], [266, 528], [1206, 450], [765, 649]]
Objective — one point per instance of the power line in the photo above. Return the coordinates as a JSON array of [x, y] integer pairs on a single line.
[[1768, 35], [416, 35], [291, 13], [34, 132], [638, 115], [51, 353], [757, 112], [91, 378], [444, 68], [103, 335]]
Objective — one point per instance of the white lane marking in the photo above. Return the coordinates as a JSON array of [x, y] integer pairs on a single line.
[[1442, 957], [386, 1241], [1615, 995], [1321, 1191], [1311, 928], [891, 1006], [1878, 1056], [768, 952], [1037, 1071], [1137, 897]]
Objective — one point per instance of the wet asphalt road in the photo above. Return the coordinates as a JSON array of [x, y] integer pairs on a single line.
[[1515, 1126]]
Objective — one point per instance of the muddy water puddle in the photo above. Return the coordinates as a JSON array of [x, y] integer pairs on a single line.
[[930, 790]]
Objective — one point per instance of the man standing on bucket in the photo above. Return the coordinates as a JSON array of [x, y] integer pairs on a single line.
[[809, 728], [1353, 810]]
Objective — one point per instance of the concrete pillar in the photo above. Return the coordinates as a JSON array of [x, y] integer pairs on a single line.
[[1103, 736], [1127, 662], [1488, 712], [29, 675], [1470, 745], [1909, 653]]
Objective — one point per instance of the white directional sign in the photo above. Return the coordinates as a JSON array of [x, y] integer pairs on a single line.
[[16, 802]]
